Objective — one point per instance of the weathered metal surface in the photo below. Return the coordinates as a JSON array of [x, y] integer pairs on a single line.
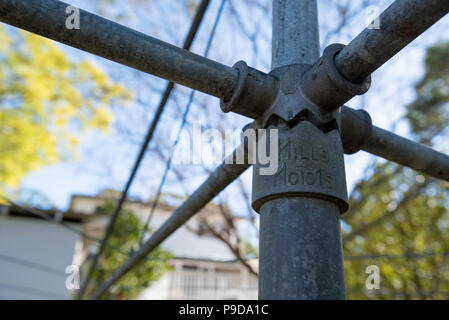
[[254, 93], [261, 96], [224, 175], [291, 104], [310, 164], [400, 23], [118, 43], [300, 250], [356, 127], [392, 147], [326, 87], [290, 33], [403, 21], [359, 134], [344, 72]]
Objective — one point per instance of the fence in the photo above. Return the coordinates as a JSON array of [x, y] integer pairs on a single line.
[[206, 285]]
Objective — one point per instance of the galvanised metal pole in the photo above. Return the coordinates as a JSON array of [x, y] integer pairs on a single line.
[[395, 148], [399, 24], [118, 43], [358, 133], [300, 242]]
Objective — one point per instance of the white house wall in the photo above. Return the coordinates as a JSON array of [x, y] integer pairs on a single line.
[[37, 241]]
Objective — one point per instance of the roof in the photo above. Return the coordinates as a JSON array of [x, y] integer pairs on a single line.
[[34, 213], [182, 243]]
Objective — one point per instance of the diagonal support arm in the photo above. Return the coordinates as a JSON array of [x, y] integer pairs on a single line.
[[223, 176]]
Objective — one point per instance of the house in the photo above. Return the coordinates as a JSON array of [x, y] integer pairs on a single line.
[[203, 267], [36, 251], [41, 250]]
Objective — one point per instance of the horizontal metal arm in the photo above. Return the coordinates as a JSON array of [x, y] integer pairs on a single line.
[[223, 176], [399, 24], [118, 43], [359, 134], [395, 148]]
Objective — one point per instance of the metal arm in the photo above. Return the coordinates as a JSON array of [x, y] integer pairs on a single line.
[[359, 134], [400, 23], [403, 21], [395, 148], [118, 43], [343, 72]]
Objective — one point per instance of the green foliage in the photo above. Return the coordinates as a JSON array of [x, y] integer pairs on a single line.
[[429, 113], [248, 250], [126, 237], [45, 101], [399, 214]]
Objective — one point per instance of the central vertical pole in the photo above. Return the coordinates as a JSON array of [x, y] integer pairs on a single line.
[[300, 241], [295, 37]]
